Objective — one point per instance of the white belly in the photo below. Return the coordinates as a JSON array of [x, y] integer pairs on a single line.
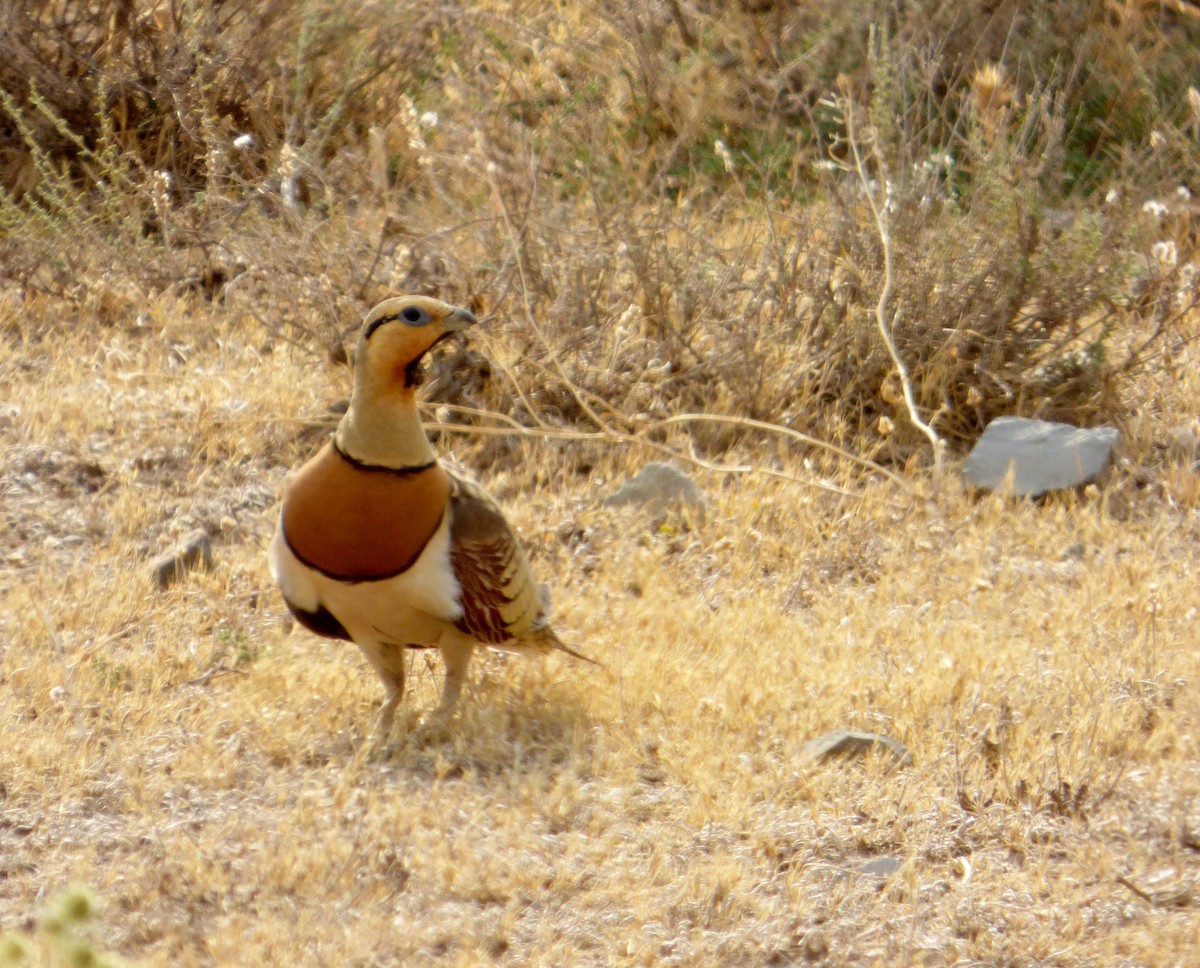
[[415, 607]]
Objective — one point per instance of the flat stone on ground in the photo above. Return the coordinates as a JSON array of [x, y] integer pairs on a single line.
[[852, 742], [193, 551], [1041, 456], [657, 487]]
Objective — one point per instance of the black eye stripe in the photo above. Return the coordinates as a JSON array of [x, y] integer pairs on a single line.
[[375, 325], [409, 315]]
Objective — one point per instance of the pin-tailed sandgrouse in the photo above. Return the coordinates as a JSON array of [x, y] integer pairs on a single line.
[[380, 545]]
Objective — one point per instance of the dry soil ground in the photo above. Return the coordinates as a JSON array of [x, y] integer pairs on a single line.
[[209, 770]]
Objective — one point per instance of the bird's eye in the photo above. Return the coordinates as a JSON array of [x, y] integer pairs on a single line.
[[414, 316]]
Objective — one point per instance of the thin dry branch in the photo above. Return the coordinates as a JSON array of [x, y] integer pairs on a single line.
[[1176, 898], [641, 439], [515, 243], [879, 215], [638, 440], [787, 432]]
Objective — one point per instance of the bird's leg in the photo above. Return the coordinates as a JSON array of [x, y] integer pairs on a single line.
[[388, 661], [387, 712], [456, 654]]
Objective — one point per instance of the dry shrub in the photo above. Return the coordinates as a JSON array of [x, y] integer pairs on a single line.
[[138, 134], [168, 87], [1014, 292], [643, 198]]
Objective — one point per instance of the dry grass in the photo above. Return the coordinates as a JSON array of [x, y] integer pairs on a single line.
[[170, 349], [209, 774]]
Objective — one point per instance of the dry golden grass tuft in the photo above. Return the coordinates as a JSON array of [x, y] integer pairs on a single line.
[[209, 772]]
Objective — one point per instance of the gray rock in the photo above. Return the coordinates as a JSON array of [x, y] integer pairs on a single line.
[[851, 742], [193, 551], [1073, 551], [880, 868], [1041, 456], [1184, 442], [658, 487]]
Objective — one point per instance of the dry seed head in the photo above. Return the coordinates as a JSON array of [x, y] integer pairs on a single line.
[[160, 190], [377, 155], [991, 95], [725, 154], [1193, 98], [1165, 253], [1155, 208], [416, 131], [991, 91], [289, 170]]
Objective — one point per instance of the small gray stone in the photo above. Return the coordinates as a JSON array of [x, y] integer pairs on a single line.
[[851, 742], [657, 487], [1040, 455], [1184, 442], [193, 551], [880, 868]]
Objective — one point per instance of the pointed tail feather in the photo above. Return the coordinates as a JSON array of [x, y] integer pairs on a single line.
[[544, 640]]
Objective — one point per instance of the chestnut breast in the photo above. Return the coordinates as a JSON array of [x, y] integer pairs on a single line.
[[360, 523]]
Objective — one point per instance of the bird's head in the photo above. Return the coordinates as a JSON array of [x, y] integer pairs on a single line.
[[398, 332]]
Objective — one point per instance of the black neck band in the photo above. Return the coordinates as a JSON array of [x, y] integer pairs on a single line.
[[381, 468]]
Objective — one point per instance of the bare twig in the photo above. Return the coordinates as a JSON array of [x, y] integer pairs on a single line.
[[384, 228], [307, 347], [638, 440], [880, 215], [212, 672], [1179, 897], [641, 438], [516, 386], [515, 240], [787, 432]]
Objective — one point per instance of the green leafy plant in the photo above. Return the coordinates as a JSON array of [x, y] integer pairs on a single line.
[[62, 938]]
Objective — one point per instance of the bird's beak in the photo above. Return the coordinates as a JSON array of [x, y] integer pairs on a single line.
[[459, 320]]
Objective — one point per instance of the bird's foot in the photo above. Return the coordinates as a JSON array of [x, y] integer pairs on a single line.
[[386, 720], [393, 732], [434, 728]]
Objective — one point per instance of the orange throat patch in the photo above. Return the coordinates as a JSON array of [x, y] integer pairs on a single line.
[[358, 523]]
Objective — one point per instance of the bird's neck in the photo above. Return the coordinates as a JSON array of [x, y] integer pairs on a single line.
[[384, 428]]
